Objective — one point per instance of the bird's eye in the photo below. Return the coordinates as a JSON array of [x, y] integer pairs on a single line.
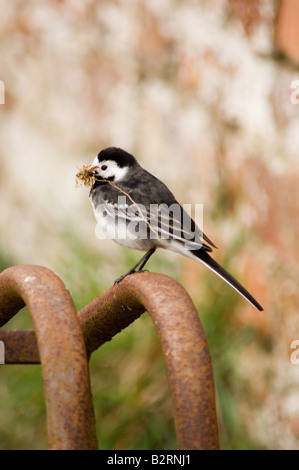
[[104, 167]]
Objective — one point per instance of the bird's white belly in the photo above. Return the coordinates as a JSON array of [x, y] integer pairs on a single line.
[[117, 229]]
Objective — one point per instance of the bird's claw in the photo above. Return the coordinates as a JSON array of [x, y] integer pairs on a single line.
[[119, 279]]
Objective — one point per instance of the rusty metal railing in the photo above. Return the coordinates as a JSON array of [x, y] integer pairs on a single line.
[[63, 340]]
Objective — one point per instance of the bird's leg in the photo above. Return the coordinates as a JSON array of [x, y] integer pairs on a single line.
[[138, 265], [145, 259]]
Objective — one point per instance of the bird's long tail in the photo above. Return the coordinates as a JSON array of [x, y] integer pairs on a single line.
[[206, 259]]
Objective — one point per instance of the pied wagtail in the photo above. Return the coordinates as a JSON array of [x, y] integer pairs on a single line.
[[138, 211]]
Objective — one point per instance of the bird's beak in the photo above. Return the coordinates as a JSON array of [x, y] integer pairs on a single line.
[[95, 163], [96, 166]]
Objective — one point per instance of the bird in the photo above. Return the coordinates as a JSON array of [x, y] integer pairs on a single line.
[[138, 211]]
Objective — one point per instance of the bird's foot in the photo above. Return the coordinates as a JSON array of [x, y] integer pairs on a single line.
[[119, 279]]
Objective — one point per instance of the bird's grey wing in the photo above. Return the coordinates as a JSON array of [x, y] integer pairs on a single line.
[[174, 223]]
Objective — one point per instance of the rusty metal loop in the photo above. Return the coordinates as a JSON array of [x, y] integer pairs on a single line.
[[20, 346], [70, 414], [186, 352], [184, 345]]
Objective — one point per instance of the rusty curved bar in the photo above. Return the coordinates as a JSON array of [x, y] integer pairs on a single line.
[[186, 353], [20, 346], [185, 348], [70, 414]]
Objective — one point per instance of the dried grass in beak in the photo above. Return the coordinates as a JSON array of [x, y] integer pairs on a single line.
[[86, 175]]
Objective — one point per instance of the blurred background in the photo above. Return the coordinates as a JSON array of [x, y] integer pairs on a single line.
[[204, 94]]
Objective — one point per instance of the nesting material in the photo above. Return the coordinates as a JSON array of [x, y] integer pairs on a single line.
[[86, 175]]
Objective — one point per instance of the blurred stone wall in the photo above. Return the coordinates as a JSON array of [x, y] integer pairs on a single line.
[[201, 93]]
